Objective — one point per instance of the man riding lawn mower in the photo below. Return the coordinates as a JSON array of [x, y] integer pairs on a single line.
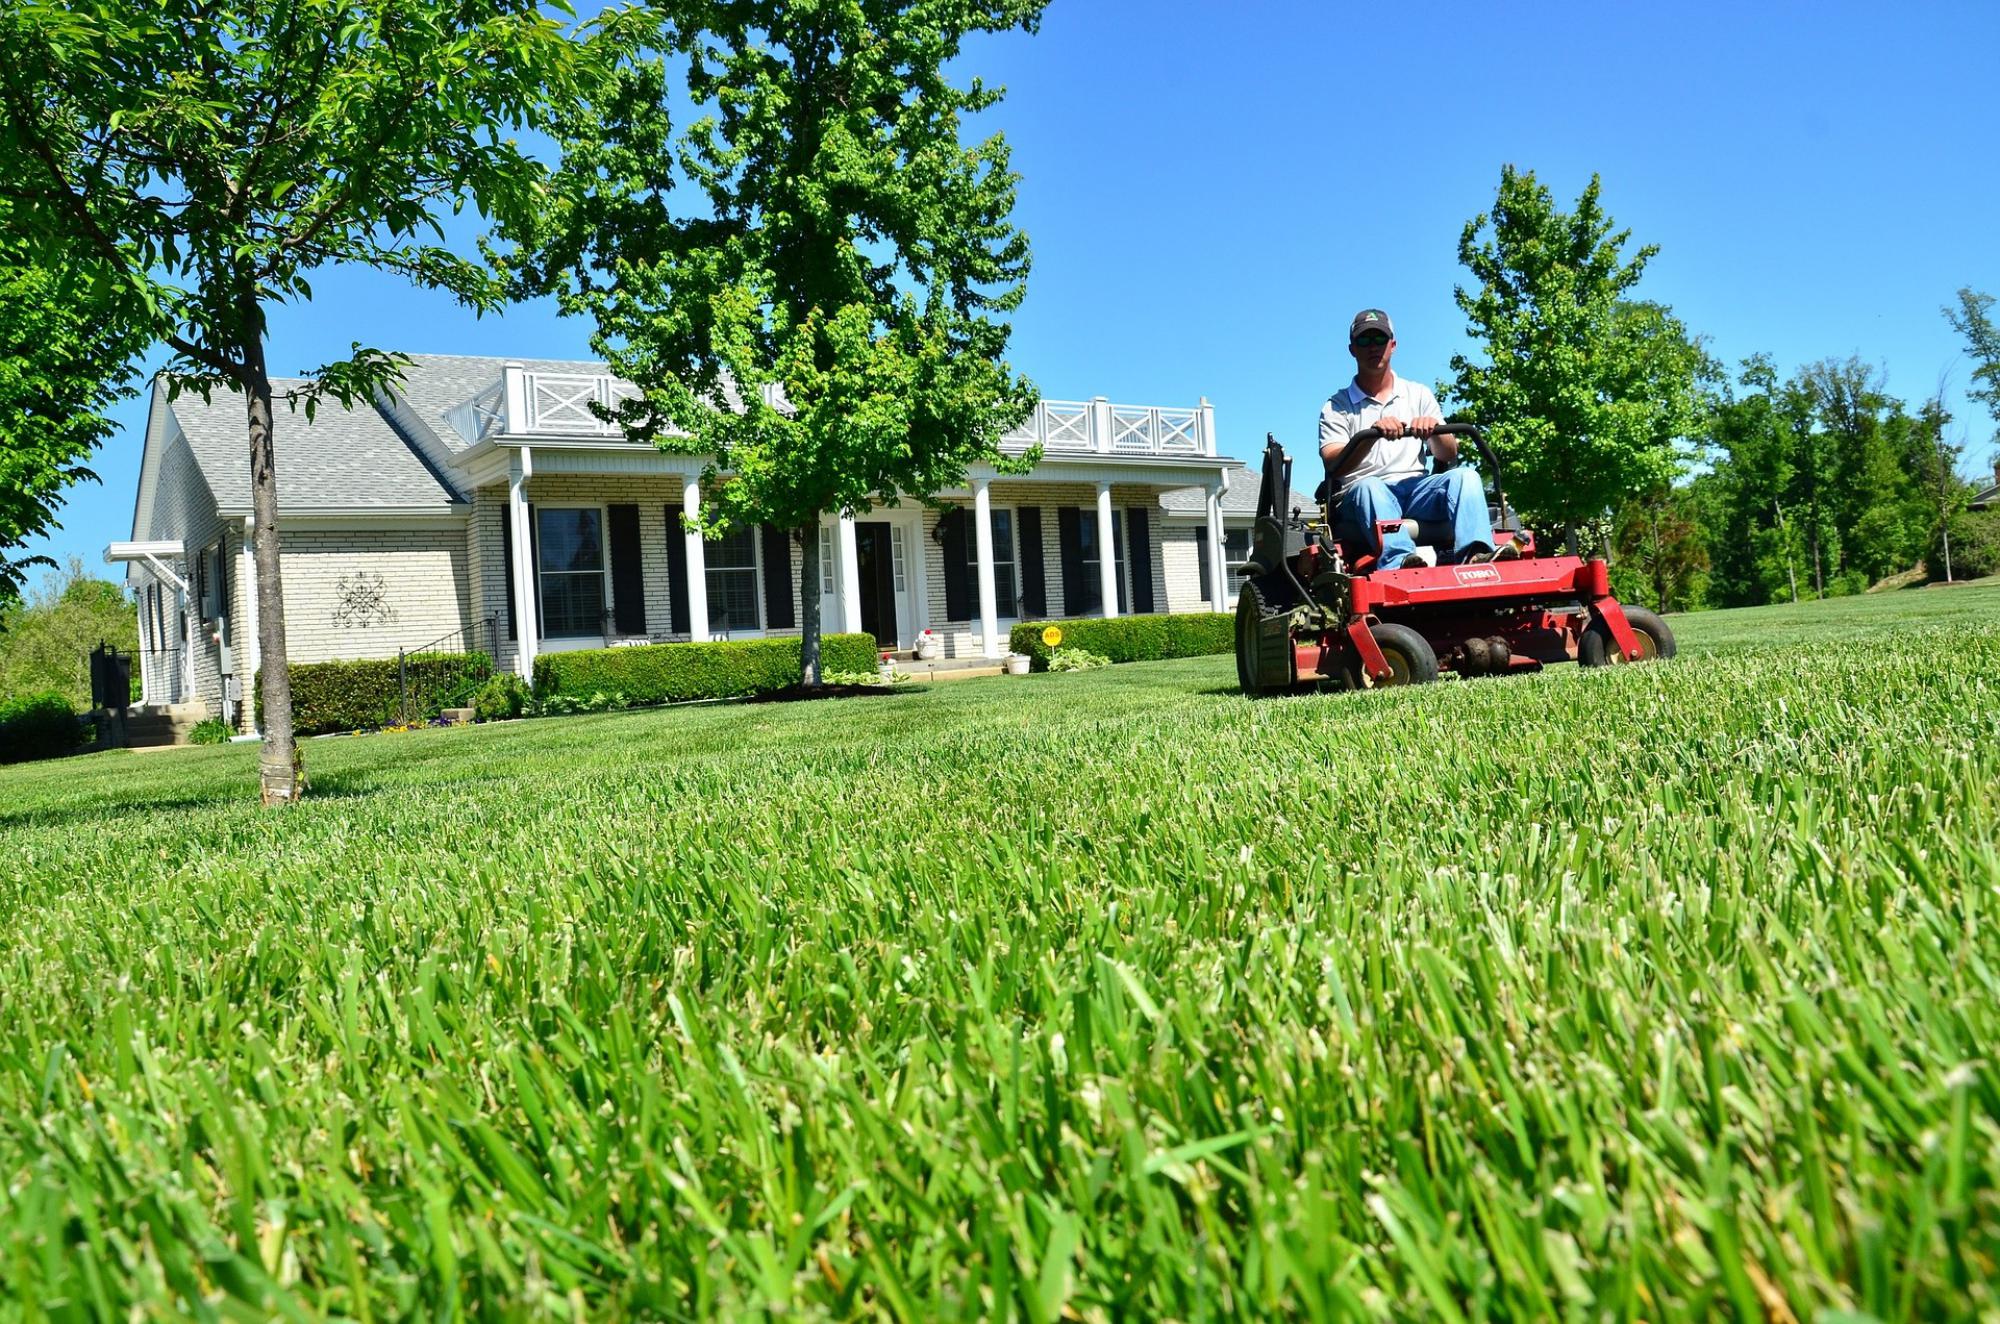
[[1315, 610]]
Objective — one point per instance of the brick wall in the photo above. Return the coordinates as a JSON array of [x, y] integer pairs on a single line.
[[369, 590]]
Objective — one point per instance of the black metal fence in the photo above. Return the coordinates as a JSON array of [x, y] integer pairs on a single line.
[[480, 637], [110, 678]]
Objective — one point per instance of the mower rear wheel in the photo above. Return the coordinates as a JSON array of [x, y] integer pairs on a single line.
[[1411, 659], [1597, 649], [1257, 635]]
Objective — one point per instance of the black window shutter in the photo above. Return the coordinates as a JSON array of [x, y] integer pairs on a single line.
[[1076, 595], [628, 578], [677, 569], [201, 584], [1141, 559], [957, 566], [222, 577], [507, 566], [1034, 575], [1119, 571], [779, 612], [1201, 556]]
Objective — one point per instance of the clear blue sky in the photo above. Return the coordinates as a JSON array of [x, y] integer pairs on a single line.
[[1213, 188]]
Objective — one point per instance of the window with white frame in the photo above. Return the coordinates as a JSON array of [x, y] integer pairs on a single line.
[[826, 580], [1093, 582], [732, 582], [570, 551], [1235, 551], [1006, 579]]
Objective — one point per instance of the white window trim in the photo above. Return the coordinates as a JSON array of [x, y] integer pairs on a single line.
[[757, 589], [1123, 534], [1002, 622], [544, 643]]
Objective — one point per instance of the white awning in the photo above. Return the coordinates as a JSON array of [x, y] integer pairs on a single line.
[[154, 554]]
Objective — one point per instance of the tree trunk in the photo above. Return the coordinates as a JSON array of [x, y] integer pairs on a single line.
[[280, 769], [1946, 532], [809, 600], [1785, 540]]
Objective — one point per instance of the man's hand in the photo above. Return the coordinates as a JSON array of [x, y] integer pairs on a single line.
[[1389, 427], [1423, 427]]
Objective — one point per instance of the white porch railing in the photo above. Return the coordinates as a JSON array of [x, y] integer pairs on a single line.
[[1098, 427], [545, 404]]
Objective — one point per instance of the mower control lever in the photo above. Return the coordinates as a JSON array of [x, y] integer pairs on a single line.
[[1364, 441]]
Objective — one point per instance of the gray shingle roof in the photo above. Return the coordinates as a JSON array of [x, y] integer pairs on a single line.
[[1239, 501], [1989, 497], [343, 459]]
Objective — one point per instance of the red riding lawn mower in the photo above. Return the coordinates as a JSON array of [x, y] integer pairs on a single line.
[[1316, 613]]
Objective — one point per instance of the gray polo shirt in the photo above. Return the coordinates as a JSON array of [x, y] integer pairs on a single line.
[[1353, 410]]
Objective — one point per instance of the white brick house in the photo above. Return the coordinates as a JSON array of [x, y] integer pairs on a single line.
[[482, 506]]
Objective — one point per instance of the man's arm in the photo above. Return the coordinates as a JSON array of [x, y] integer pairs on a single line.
[[1335, 427]]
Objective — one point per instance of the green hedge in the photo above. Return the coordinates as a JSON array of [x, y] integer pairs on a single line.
[[39, 726], [1132, 638], [355, 696], [1975, 546], [672, 673]]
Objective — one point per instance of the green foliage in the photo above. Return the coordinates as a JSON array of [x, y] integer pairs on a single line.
[[1076, 659], [1975, 546], [1823, 484], [820, 305], [675, 673], [45, 642], [360, 695], [1587, 397], [39, 726], [1084, 1000], [209, 156], [210, 731], [1660, 551], [502, 698], [1131, 638], [1973, 320], [67, 341]]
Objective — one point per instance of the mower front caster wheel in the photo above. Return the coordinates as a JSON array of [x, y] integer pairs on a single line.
[[1409, 655], [1597, 649]]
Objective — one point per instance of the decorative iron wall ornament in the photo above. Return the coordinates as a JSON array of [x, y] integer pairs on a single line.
[[361, 601]]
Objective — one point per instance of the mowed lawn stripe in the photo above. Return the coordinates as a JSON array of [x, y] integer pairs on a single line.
[[1657, 992]]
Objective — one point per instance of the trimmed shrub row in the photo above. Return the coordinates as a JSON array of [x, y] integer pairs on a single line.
[[673, 673], [40, 726], [353, 696], [1132, 638]]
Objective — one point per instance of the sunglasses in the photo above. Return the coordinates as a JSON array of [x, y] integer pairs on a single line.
[[1371, 340]]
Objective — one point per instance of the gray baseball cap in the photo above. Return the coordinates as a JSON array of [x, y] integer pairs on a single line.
[[1370, 319]]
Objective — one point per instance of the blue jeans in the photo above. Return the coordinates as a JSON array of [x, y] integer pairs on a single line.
[[1455, 496]]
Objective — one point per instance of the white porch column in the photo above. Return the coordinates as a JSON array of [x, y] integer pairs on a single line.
[[1218, 561], [982, 534], [1207, 427], [527, 630], [849, 556], [249, 643], [696, 587], [145, 653], [1107, 555]]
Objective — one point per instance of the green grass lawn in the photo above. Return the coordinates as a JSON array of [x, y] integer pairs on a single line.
[[1659, 992]]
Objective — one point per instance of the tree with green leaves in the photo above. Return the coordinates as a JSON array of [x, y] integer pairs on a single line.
[[46, 638], [1588, 395], [68, 338], [1973, 319], [827, 319], [210, 155]]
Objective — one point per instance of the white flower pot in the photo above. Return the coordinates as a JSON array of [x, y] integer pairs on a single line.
[[1017, 664], [929, 652]]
